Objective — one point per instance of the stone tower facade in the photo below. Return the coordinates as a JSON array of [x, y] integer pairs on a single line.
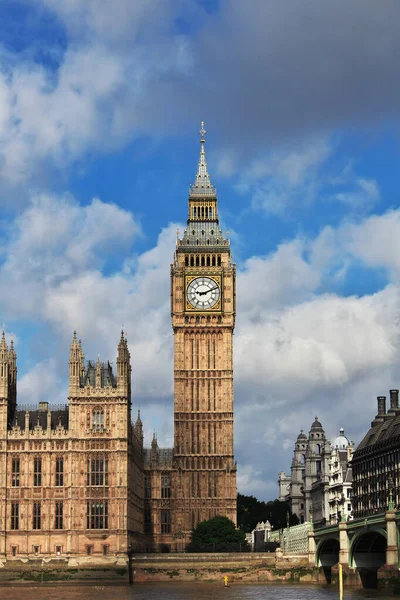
[[71, 477], [203, 319]]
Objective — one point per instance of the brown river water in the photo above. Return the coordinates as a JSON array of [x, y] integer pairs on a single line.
[[182, 591]]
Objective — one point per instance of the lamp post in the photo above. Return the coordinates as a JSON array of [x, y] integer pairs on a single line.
[[342, 501], [390, 489]]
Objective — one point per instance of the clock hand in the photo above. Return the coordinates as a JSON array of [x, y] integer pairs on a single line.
[[206, 292]]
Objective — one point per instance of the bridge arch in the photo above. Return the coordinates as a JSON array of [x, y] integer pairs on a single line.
[[367, 553], [327, 555]]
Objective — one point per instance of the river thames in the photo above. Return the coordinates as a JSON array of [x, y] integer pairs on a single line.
[[183, 591]]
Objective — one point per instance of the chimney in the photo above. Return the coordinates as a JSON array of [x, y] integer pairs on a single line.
[[394, 399], [381, 405], [380, 417]]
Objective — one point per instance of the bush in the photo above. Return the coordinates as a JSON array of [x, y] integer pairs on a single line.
[[218, 534]]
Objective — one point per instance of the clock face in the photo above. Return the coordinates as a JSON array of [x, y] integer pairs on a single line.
[[203, 293]]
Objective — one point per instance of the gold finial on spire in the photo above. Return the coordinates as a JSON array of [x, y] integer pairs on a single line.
[[202, 132]]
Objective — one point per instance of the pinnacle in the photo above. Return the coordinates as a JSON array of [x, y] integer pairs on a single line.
[[202, 185], [3, 343]]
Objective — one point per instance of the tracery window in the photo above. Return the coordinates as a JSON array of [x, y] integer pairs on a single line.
[[37, 515], [98, 418], [37, 472], [59, 471], [15, 472], [166, 485], [97, 471], [97, 514], [14, 515], [59, 516], [165, 521]]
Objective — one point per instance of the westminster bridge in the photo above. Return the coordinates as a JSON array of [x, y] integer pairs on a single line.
[[367, 548]]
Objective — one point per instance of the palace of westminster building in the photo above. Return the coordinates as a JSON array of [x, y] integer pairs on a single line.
[[76, 481]]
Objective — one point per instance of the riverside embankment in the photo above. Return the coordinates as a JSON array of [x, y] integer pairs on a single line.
[[239, 567], [244, 567]]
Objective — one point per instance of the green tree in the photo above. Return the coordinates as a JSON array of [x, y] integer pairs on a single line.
[[218, 534], [251, 511]]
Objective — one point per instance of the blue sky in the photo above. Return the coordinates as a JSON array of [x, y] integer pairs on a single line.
[[100, 108]]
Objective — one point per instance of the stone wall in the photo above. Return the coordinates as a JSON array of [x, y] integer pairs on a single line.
[[245, 567]]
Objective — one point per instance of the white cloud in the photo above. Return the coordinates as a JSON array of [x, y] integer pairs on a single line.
[[121, 57], [41, 383]]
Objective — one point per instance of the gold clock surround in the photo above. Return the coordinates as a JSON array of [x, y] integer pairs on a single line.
[[217, 306]]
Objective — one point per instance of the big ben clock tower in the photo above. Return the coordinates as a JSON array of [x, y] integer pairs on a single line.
[[203, 319]]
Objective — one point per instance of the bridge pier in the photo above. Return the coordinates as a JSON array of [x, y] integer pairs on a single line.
[[311, 548], [343, 544], [390, 569]]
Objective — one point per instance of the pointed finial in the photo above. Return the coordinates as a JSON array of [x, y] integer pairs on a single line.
[[202, 185], [3, 343]]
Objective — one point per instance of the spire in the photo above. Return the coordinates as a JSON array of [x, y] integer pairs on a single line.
[[202, 185], [3, 346], [98, 372], [139, 427], [76, 363], [4, 370], [123, 365], [12, 361]]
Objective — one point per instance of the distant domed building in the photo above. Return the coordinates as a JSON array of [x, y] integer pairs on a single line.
[[340, 479], [319, 486]]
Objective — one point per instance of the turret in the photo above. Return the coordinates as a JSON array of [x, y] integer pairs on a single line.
[[76, 365], [98, 373], [154, 451], [124, 366], [139, 428], [4, 368], [12, 382]]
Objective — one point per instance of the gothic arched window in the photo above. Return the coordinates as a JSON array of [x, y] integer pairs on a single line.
[[98, 418]]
